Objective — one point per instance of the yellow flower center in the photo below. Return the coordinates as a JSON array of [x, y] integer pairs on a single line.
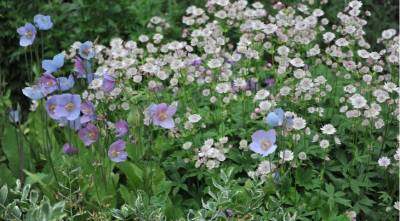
[[266, 144], [29, 34], [70, 106], [92, 135], [50, 83], [114, 153], [52, 107], [85, 111], [162, 116]]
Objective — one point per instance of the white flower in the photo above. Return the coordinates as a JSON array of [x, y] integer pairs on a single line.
[[194, 118], [384, 162], [265, 168], [243, 144], [358, 101], [187, 145], [324, 144], [299, 123], [388, 34], [297, 62], [215, 63], [96, 83], [328, 36], [397, 205], [328, 129], [265, 105], [223, 88], [302, 156], [286, 155], [261, 94], [209, 142]]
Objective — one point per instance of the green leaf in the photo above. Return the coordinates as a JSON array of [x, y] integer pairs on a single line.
[[3, 194], [16, 211], [33, 196], [133, 174]]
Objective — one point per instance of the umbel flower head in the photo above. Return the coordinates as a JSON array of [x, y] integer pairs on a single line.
[[117, 152], [161, 115], [27, 34], [263, 142]]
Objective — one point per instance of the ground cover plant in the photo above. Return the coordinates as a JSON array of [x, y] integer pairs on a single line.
[[253, 113]]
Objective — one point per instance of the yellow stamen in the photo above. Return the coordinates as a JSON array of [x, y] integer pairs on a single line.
[[70, 106]]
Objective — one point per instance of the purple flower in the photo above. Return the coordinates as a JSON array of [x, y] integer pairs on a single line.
[[89, 134], [121, 128], [161, 115], [86, 50], [108, 83], [34, 92], [27, 34], [51, 106], [53, 65], [117, 152], [252, 85], [88, 112], [66, 83], [64, 106], [79, 67], [48, 83], [69, 149], [196, 62], [263, 142], [269, 82], [43, 22], [69, 106]]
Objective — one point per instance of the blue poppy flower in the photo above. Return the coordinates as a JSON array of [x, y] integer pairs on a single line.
[[66, 83], [53, 65], [275, 118], [43, 22], [27, 34], [34, 92], [86, 50]]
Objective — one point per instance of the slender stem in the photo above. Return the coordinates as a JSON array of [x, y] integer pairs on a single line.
[[48, 149], [21, 155]]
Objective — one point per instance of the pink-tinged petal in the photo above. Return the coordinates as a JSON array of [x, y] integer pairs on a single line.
[[167, 123], [258, 136]]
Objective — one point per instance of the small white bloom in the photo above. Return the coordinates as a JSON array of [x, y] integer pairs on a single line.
[[302, 156], [328, 129], [194, 118], [299, 123], [297, 62], [324, 144], [358, 101], [384, 162], [286, 155], [187, 145]]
